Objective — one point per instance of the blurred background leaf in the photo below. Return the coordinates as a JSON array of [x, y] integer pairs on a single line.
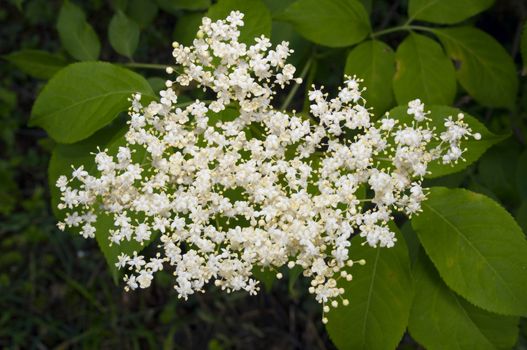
[[77, 36], [143, 12], [485, 69], [123, 34], [37, 63], [173, 6], [477, 247], [446, 11], [332, 23], [374, 62]]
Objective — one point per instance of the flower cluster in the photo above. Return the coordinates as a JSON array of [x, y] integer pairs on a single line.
[[233, 184]]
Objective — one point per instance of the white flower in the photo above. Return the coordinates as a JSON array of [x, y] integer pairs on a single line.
[[122, 261], [62, 182], [254, 191], [144, 279], [416, 108]]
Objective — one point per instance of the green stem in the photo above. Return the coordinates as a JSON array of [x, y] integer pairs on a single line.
[[408, 27], [309, 83], [145, 65], [295, 87], [389, 30], [422, 28]]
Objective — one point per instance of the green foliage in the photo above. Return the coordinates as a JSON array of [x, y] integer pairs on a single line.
[[333, 23], [71, 112], [257, 17], [277, 6], [187, 27], [284, 31], [497, 172], [77, 36], [157, 83], [446, 11], [374, 62], [172, 6], [478, 248], [36, 63], [474, 148], [380, 296], [441, 319], [423, 70], [123, 34], [119, 5], [368, 5], [143, 12], [485, 70]]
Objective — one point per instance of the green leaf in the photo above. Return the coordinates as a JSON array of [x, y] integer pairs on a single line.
[[497, 172], [474, 148], [521, 216], [373, 61], [61, 162], [37, 63], [283, 31], [157, 84], [77, 36], [446, 11], [368, 4], [485, 70], [173, 6], [186, 28], [478, 248], [424, 72], [84, 97], [333, 23], [441, 319], [277, 6], [380, 296], [412, 242], [119, 5], [257, 17], [474, 186], [142, 12], [123, 34], [266, 276]]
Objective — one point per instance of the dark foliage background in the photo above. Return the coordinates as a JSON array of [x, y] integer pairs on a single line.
[[55, 289]]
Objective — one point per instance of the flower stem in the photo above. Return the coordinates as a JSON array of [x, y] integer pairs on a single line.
[[145, 65], [295, 87], [408, 27]]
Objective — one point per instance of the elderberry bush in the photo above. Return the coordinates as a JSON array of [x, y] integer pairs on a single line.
[[256, 191]]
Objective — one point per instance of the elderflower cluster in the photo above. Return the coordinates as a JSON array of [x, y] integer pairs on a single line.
[[231, 185]]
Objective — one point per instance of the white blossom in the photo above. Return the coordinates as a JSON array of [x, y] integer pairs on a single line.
[[223, 197]]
